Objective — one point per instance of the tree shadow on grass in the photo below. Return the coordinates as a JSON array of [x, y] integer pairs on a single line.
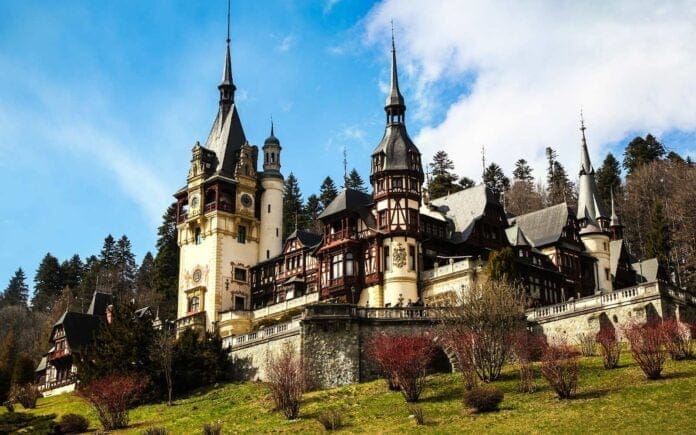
[[453, 392], [676, 375], [591, 394]]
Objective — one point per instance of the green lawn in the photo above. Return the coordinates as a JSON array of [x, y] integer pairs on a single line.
[[618, 400]]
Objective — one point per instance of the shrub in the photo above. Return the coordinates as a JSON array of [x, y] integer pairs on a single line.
[[156, 430], [587, 343], [23, 370], [331, 419], [610, 347], [73, 423], [403, 359], [26, 394], [559, 366], [417, 413], [677, 339], [482, 324], [285, 373], [483, 399], [111, 397], [212, 428], [647, 342], [198, 360], [525, 346]]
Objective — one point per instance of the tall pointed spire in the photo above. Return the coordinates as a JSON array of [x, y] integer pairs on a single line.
[[585, 165], [227, 86], [591, 208], [394, 106], [615, 220]]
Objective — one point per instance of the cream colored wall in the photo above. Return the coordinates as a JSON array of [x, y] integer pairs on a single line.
[[372, 296], [271, 223], [400, 280], [597, 245]]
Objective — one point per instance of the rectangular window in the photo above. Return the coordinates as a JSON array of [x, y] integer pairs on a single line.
[[239, 303], [387, 264], [397, 183], [607, 274], [241, 234], [269, 208], [412, 257], [240, 274], [349, 264], [383, 219], [337, 266]]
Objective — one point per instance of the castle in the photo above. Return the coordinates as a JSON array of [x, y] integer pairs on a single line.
[[385, 249]]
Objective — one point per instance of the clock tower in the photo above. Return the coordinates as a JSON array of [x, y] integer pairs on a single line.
[[220, 221]]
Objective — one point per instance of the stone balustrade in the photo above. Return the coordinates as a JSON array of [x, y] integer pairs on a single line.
[[286, 305], [269, 332], [448, 269]]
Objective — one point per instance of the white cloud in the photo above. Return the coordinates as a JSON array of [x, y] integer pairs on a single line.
[[329, 5], [287, 43], [630, 65]]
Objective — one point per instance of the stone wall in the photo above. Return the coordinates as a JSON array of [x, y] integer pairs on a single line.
[[250, 361]]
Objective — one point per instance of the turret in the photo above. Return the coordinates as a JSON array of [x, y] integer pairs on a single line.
[[615, 226], [272, 183]]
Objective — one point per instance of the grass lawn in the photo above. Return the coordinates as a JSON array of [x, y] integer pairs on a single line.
[[618, 400]]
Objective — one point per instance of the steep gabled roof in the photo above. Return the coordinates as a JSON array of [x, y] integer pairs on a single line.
[[226, 139], [647, 270], [615, 249], [545, 226], [463, 209], [516, 237], [349, 200], [307, 238], [99, 303], [79, 328]]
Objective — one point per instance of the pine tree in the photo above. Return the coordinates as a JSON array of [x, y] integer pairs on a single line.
[[143, 279], [17, 291], [494, 178], [355, 182], [658, 237], [608, 177], [443, 181], [466, 182], [560, 188], [8, 356], [125, 265], [312, 210], [47, 283], [88, 283], [108, 255], [523, 171], [292, 206], [441, 164], [71, 272], [165, 271], [327, 192], [641, 151]]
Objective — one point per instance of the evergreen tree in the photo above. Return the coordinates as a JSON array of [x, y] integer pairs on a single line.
[[466, 182], [327, 192], [560, 188], [312, 210], [198, 360], [108, 255], [674, 157], [71, 272], [608, 177], [17, 291], [523, 171], [23, 371], [47, 283], [355, 181], [641, 151], [144, 277], [125, 265], [658, 237], [495, 179], [165, 271], [443, 181], [88, 283], [292, 206], [8, 357]]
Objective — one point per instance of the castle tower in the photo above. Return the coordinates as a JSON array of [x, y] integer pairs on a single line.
[[396, 176], [593, 218], [219, 223], [271, 241]]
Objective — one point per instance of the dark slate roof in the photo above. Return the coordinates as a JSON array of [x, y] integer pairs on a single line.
[[79, 328], [42, 365], [396, 145], [590, 205], [615, 248], [99, 303], [516, 237], [350, 200], [226, 139], [463, 209], [307, 238], [545, 226]]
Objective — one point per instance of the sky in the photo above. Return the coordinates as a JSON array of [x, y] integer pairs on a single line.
[[101, 102]]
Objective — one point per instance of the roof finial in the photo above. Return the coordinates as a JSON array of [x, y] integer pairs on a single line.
[[345, 168], [585, 165], [272, 127], [582, 126], [228, 21]]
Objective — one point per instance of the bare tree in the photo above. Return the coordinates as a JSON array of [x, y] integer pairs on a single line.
[[163, 355], [480, 328], [285, 373]]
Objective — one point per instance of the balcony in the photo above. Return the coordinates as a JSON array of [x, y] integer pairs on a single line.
[[58, 353], [194, 320]]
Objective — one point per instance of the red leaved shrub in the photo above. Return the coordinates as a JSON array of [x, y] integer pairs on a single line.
[[677, 339], [461, 343], [111, 396], [610, 347], [647, 342], [525, 347], [559, 366], [404, 359], [285, 372]]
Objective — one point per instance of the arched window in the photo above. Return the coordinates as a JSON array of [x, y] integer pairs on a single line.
[[198, 237], [272, 157]]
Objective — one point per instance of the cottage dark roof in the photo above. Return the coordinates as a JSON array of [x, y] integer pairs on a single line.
[[349, 200], [463, 209], [307, 238], [79, 328], [99, 303], [545, 226]]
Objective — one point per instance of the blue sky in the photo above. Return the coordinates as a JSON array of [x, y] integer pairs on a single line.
[[101, 102]]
